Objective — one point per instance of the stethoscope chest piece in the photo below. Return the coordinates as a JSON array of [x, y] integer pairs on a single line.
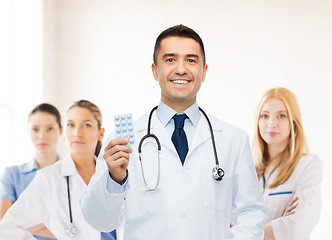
[[71, 230], [218, 173]]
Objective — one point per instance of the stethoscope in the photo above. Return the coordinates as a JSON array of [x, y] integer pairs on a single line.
[[217, 172], [71, 229]]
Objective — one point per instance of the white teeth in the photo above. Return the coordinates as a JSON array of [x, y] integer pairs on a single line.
[[180, 81]]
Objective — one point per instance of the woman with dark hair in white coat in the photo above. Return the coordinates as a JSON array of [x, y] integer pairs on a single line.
[[44, 128], [53, 197]]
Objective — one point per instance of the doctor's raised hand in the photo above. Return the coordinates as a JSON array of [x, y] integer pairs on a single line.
[[188, 174], [117, 155]]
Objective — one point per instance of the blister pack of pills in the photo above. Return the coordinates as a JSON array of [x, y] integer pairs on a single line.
[[124, 126]]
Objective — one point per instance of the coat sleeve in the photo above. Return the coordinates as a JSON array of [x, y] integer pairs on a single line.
[[102, 209], [300, 224], [29, 210], [248, 214]]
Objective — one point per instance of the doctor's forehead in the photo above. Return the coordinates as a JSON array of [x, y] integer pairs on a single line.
[[179, 46]]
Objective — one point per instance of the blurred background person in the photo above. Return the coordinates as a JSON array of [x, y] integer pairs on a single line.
[[289, 175], [53, 197], [44, 127]]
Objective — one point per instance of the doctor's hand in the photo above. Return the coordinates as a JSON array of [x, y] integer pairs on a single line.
[[117, 156], [290, 208]]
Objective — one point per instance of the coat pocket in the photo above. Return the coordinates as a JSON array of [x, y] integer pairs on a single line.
[[277, 200]]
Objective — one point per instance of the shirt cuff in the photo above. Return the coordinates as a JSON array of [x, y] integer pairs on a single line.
[[115, 188]]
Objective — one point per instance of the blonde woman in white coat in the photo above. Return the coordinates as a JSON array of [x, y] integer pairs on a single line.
[[53, 197], [290, 177]]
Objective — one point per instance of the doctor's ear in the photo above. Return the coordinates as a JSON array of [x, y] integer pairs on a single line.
[[155, 71]]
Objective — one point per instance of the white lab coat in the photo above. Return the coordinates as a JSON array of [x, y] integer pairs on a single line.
[[304, 183], [189, 203], [45, 200]]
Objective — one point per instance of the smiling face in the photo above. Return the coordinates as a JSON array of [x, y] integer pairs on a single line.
[[81, 131], [44, 131], [274, 125], [180, 71]]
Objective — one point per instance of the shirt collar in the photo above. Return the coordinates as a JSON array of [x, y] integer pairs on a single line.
[[29, 166], [165, 113]]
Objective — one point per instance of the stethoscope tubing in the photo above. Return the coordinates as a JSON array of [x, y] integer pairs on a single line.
[[212, 137], [69, 202], [217, 172]]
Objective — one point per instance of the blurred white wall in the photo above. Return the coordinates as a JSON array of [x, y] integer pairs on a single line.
[[102, 51], [21, 67]]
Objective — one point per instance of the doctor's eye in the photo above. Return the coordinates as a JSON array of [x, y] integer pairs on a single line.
[[50, 129], [264, 116], [70, 125], [170, 60], [191, 60], [87, 125], [35, 129]]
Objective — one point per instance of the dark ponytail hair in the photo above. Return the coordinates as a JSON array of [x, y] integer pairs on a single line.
[[96, 114], [47, 108]]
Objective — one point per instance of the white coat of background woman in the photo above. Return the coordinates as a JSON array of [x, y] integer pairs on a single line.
[[47, 200], [289, 175]]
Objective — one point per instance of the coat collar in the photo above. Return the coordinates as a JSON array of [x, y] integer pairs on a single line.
[[68, 167], [203, 133]]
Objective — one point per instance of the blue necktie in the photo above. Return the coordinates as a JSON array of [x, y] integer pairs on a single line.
[[108, 235], [179, 137]]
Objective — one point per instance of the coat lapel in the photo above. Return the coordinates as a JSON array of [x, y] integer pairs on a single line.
[[202, 133], [157, 129]]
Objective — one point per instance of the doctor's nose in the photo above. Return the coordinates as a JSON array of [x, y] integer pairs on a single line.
[[180, 68]]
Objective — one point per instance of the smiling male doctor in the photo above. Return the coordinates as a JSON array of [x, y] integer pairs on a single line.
[[188, 202]]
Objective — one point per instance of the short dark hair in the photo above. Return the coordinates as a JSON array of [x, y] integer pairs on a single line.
[[47, 108], [178, 31]]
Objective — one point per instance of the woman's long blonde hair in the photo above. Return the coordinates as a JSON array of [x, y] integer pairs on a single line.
[[297, 146]]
